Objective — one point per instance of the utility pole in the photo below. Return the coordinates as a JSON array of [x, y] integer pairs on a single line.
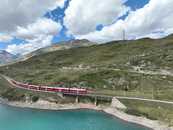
[[124, 35]]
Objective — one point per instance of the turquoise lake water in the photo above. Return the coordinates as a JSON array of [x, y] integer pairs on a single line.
[[29, 119]]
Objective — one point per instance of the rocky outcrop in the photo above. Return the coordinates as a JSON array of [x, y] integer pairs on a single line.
[[6, 57], [117, 104]]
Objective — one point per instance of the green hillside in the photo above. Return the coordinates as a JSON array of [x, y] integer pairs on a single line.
[[142, 68]]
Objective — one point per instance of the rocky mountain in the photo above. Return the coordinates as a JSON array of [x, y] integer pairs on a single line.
[[61, 46], [6, 57]]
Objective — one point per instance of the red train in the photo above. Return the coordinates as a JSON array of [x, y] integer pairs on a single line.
[[76, 91]]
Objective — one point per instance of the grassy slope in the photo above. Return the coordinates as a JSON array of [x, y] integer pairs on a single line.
[[154, 111], [154, 55]]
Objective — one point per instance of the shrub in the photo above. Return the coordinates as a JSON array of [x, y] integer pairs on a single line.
[[35, 98]]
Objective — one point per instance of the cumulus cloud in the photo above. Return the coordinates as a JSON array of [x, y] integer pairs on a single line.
[[32, 45], [37, 35], [16, 13], [5, 37], [59, 3], [42, 26], [153, 20], [82, 17], [24, 19]]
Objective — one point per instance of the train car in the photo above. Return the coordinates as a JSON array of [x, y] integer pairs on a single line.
[[33, 87], [49, 89], [75, 91], [82, 92], [42, 88], [24, 85], [14, 82]]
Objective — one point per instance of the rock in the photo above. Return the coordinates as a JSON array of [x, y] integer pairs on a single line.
[[117, 104]]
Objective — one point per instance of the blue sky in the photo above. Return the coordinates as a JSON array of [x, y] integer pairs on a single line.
[[58, 15], [74, 21], [136, 4]]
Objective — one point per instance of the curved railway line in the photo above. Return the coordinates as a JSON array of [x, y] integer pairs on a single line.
[[63, 90], [76, 91]]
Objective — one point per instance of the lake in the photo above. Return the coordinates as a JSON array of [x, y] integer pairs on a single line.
[[12, 118]]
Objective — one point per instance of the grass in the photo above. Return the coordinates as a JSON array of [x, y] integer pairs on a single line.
[[106, 81], [102, 60], [154, 111], [154, 55]]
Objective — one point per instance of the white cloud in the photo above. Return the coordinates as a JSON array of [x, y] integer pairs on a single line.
[[153, 20], [5, 37], [24, 19], [32, 45], [22, 12], [42, 26], [59, 3], [82, 17], [37, 35]]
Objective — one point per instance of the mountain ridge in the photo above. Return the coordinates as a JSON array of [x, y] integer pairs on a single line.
[[6, 57], [60, 46]]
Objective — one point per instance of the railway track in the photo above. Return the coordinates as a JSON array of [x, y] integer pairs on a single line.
[[77, 92]]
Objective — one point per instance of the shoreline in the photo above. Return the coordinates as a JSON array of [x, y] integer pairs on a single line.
[[46, 105]]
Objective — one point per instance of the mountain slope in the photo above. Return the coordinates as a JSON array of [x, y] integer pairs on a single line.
[[141, 68], [61, 46], [6, 57]]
